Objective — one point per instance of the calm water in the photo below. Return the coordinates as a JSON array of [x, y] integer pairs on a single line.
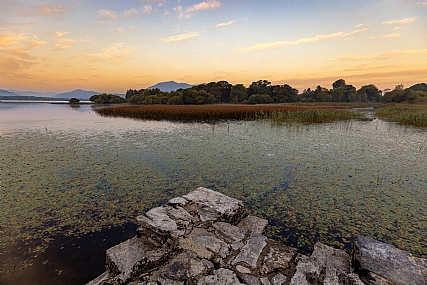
[[72, 182]]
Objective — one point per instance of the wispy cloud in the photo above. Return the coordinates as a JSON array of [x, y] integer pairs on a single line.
[[392, 36], [63, 44], [60, 34], [383, 56], [116, 53], [401, 21], [203, 7], [107, 14], [182, 37], [229, 23], [424, 4], [282, 44], [147, 9]]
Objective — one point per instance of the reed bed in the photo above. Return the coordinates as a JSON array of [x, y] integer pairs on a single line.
[[405, 114], [209, 113]]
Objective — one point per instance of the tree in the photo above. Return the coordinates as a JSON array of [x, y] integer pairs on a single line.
[[283, 93], [74, 101], [338, 83], [369, 93], [260, 87], [260, 99], [238, 93]]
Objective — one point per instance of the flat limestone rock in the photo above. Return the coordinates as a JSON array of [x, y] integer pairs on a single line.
[[383, 259], [207, 214], [331, 257], [308, 271], [250, 253], [230, 209], [278, 279], [253, 224], [131, 258], [278, 256], [250, 279], [231, 233], [213, 244], [178, 201], [221, 276]]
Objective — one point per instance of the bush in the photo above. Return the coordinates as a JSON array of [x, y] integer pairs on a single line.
[[260, 99]]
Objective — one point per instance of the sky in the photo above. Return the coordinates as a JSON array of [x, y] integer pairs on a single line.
[[113, 46]]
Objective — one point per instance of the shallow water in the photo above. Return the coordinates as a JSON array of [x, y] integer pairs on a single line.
[[67, 171]]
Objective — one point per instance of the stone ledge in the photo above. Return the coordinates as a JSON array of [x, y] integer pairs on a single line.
[[207, 238]]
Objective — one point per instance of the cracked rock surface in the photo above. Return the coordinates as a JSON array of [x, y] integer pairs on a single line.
[[206, 238]]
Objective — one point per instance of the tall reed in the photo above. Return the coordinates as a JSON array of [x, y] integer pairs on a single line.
[[405, 114]]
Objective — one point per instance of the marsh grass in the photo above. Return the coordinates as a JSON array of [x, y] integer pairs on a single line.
[[208, 113], [405, 114]]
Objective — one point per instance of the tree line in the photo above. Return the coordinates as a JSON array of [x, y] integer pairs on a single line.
[[263, 92]]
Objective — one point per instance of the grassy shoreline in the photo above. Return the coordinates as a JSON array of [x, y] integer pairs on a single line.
[[211, 113], [405, 114]]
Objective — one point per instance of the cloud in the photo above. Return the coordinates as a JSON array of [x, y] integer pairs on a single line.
[[401, 21], [48, 10], [423, 4], [60, 34], [282, 44], [180, 38], [136, 12], [116, 53], [203, 7], [392, 36], [229, 23], [109, 15], [359, 25], [63, 44], [383, 56], [130, 13]]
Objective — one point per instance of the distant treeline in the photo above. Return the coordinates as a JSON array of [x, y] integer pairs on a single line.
[[263, 92]]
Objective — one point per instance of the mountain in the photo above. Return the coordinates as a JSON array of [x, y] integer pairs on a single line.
[[169, 86], [78, 93], [7, 93], [33, 93]]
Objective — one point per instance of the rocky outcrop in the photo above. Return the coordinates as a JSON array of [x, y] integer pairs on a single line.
[[207, 238]]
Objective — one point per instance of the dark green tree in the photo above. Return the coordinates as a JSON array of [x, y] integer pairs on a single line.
[[338, 83]]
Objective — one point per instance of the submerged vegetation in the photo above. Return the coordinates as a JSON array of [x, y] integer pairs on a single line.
[[209, 113], [406, 114]]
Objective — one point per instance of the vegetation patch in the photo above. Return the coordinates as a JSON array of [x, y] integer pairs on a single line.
[[207, 113], [406, 114]]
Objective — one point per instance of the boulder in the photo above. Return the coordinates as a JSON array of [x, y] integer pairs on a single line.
[[387, 261]]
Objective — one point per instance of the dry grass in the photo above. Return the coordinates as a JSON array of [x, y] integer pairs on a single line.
[[405, 114], [207, 113]]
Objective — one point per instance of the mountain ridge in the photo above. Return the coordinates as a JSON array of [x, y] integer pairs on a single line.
[[168, 86]]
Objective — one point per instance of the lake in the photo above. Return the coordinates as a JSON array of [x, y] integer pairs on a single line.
[[72, 182]]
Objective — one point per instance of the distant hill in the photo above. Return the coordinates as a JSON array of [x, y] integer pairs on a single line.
[[169, 86], [419, 87], [78, 93], [7, 93], [33, 93]]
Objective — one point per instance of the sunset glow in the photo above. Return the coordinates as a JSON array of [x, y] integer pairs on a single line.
[[112, 46]]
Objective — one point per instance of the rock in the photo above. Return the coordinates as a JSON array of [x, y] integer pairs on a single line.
[[243, 269], [221, 276], [265, 281], [278, 256], [308, 271], [250, 253], [331, 257], [230, 210], [253, 224], [188, 243], [215, 245], [383, 259], [229, 233], [278, 279], [177, 271], [251, 280], [207, 214], [131, 258], [178, 201], [98, 280]]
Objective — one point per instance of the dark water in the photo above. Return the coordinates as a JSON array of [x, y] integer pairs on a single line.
[[67, 260]]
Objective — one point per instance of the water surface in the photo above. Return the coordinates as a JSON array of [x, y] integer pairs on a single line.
[[67, 172]]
